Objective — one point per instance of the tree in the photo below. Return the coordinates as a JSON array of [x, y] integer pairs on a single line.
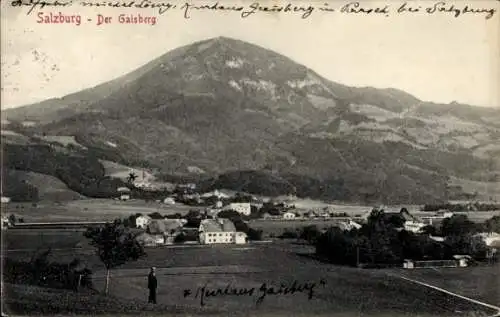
[[131, 178], [430, 230], [229, 214], [155, 215], [310, 233], [115, 245], [457, 225], [492, 224], [12, 219]]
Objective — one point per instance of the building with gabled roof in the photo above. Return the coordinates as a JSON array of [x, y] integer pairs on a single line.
[[217, 231], [142, 221]]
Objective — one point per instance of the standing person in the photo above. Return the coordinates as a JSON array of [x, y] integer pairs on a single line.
[[152, 285]]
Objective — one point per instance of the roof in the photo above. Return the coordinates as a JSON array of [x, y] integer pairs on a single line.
[[215, 193], [158, 226], [144, 216], [146, 238], [123, 189], [217, 225]]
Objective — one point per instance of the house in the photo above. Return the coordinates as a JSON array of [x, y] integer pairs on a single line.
[[257, 205], [215, 193], [349, 225], [288, 215], [489, 238], [217, 231], [150, 240], [5, 200], [6, 223], [218, 204], [311, 214], [124, 193], [168, 229], [169, 201], [142, 221], [462, 260], [241, 208], [267, 215], [413, 226], [408, 264], [123, 190], [410, 222]]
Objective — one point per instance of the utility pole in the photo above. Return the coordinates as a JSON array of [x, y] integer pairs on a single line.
[[357, 256]]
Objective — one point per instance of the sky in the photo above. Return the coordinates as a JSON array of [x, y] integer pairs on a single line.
[[436, 57]]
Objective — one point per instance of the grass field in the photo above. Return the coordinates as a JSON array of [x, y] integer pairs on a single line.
[[347, 292], [479, 282], [108, 209], [278, 227], [89, 210]]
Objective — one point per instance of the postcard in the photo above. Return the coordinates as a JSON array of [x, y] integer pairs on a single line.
[[250, 158]]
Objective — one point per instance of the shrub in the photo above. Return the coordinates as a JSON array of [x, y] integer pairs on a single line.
[[288, 234], [41, 272], [180, 238]]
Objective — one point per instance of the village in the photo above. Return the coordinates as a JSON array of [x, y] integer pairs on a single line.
[[223, 217]]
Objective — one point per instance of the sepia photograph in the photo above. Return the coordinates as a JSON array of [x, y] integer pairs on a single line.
[[250, 158]]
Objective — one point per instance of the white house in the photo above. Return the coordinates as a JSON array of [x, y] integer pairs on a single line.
[[241, 208], [218, 204], [289, 215], [124, 193], [349, 225], [215, 193], [142, 221], [5, 222], [5, 200], [489, 238], [218, 231], [169, 201], [240, 238], [123, 190], [414, 226]]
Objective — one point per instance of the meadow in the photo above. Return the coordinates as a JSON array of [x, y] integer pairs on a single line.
[[88, 210], [346, 291], [109, 209]]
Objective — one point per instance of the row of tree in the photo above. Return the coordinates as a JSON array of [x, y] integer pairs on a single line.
[[382, 242], [461, 207]]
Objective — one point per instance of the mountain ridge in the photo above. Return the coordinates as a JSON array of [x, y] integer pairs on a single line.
[[223, 105]]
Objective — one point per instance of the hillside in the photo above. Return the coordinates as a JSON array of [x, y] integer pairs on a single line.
[[48, 188], [222, 109]]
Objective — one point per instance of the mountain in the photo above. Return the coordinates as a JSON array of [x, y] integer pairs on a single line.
[[234, 114]]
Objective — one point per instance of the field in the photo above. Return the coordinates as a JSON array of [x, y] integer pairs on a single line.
[[276, 228], [479, 282], [88, 210], [346, 292], [108, 209]]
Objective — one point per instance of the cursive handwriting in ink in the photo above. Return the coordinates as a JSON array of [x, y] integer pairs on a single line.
[[405, 7], [33, 4], [355, 7], [450, 8], [143, 4], [256, 7], [204, 292], [187, 7], [295, 287]]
